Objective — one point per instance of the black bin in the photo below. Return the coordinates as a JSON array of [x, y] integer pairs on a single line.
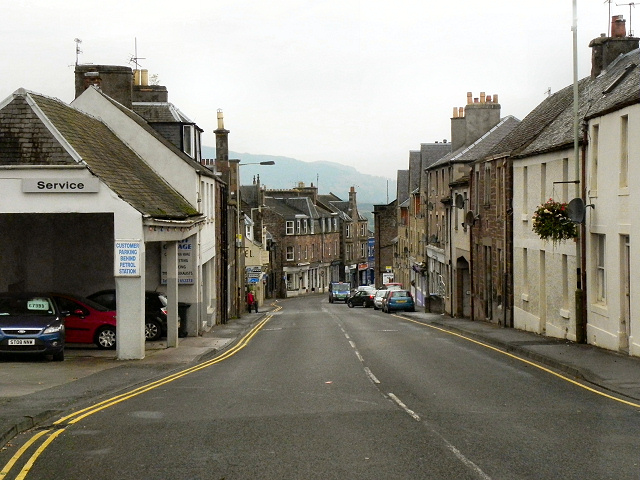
[[182, 313]]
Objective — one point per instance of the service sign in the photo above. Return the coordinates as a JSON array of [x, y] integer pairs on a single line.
[[186, 262], [60, 185], [127, 258]]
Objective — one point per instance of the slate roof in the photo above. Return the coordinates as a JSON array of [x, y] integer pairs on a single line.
[[160, 112], [142, 122], [432, 152], [292, 206], [549, 126], [482, 146], [402, 186], [97, 147]]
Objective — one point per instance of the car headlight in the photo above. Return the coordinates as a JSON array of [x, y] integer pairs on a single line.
[[58, 327]]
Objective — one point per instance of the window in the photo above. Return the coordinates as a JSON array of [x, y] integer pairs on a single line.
[[600, 287], [525, 189], [348, 230], [363, 229], [487, 185], [298, 227], [304, 225], [624, 151], [543, 183], [565, 179], [363, 250], [299, 252], [595, 133], [335, 224], [306, 252], [188, 140], [289, 227], [290, 254]]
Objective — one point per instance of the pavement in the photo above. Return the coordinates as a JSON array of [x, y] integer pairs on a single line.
[[33, 391]]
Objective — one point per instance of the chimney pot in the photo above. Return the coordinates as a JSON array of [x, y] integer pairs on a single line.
[[455, 112], [482, 97], [495, 98], [469, 98], [220, 120], [460, 112], [618, 27]]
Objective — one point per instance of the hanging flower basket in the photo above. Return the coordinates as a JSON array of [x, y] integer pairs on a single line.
[[551, 222]]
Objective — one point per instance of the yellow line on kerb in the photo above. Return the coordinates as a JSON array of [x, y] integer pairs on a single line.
[[524, 360]]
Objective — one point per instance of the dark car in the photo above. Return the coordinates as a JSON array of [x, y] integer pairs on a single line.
[[363, 298], [396, 300], [31, 323], [155, 306], [87, 321]]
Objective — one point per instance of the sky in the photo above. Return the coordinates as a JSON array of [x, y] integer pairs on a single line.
[[357, 82]]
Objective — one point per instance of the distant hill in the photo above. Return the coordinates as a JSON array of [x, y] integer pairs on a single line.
[[329, 177]]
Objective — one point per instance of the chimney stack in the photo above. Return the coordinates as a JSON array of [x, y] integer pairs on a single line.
[[604, 50], [480, 116]]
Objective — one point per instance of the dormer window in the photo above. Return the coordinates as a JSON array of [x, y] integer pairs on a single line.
[[189, 140]]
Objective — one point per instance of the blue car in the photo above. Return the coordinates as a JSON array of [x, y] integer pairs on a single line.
[[396, 300], [31, 323]]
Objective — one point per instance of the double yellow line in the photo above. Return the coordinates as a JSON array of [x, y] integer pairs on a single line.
[[75, 417]]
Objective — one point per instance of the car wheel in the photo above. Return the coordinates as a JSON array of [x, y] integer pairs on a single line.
[[412, 309], [350, 304], [152, 330], [106, 337], [59, 356]]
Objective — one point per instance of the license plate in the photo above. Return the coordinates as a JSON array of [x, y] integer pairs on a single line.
[[401, 301], [22, 341]]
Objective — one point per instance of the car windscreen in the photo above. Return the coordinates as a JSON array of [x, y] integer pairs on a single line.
[[26, 305], [341, 287]]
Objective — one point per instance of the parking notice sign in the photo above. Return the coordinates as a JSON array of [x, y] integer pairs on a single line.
[[127, 258]]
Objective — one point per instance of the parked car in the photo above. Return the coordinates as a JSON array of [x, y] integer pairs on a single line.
[[396, 300], [338, 292], [391, 286], [87, 321], [362, 298], [377, 298], [31, 323], [155, 325]]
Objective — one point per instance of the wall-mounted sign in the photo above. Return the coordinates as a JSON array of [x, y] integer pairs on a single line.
[[186, 262], [61, 185], [127, 258]]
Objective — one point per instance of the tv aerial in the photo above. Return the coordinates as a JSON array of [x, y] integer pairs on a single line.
[[631, 4]]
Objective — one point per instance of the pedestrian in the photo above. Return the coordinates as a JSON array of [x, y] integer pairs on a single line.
[[250, 300]]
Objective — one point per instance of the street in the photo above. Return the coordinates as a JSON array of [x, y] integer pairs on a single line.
[[322, 391]]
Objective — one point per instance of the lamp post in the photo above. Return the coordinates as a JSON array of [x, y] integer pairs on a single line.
[[239, 235]]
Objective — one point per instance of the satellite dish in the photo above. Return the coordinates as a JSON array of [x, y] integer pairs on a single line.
[[576, 210], [469, 218], [459, 201]]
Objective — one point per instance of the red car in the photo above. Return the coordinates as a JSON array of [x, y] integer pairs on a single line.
[[87, 321]]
